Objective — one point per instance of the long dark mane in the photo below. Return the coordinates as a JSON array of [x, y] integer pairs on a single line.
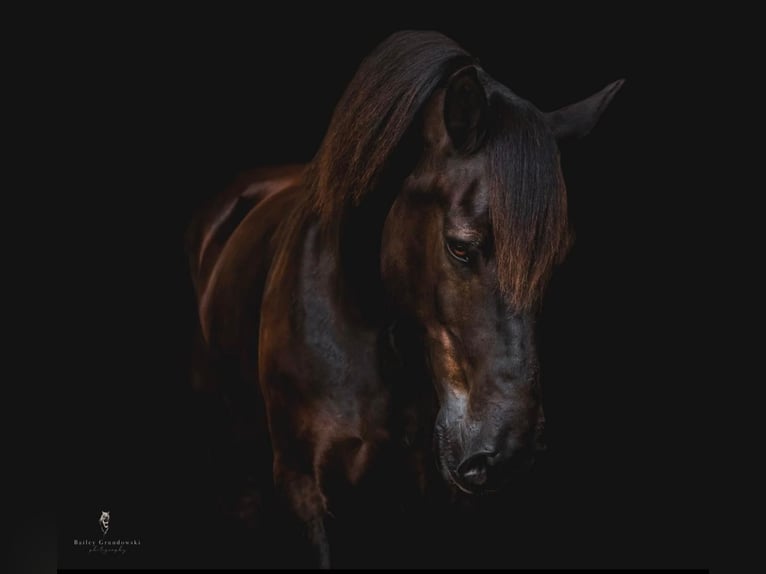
[[528, 205], [374, 113]]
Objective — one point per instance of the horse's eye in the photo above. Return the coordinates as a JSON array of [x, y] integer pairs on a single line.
[[459, 250]]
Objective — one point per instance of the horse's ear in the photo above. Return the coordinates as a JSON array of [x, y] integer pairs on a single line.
[[578, 119], [465, 110]]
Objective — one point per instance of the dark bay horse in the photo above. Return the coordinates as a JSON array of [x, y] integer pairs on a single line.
[[378, 304]]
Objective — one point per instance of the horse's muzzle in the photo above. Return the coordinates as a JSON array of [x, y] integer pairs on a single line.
[[489, 471]]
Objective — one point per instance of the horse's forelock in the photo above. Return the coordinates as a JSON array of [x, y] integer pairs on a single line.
[[528, 204]]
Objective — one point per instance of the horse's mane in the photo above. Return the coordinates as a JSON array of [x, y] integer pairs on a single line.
[[372, 116], [527, 203]]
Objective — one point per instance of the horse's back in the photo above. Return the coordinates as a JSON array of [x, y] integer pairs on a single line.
[[214, 223], [229, 249]]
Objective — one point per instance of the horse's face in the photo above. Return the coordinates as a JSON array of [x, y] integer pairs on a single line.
[[440, 263], [481, 353]]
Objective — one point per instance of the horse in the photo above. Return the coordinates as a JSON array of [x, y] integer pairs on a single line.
[[378, 303]]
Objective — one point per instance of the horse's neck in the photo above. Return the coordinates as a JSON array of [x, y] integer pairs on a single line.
[[360, 310]]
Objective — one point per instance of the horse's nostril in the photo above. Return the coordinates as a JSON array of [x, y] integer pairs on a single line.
[[473, 470]]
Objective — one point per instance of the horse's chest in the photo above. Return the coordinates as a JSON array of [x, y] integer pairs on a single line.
[[353, 412]]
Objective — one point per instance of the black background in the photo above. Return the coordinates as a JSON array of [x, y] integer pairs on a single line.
[[172, 106]]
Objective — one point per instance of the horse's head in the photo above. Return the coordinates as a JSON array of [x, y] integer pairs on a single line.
[[444, 188], [466, 250]]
